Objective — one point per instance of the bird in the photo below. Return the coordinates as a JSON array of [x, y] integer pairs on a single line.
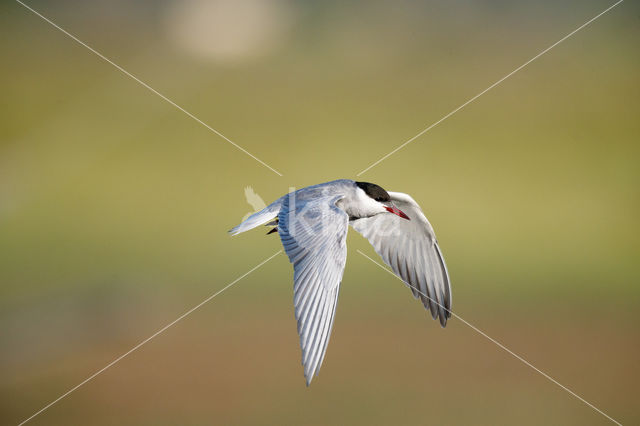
[[312, 223]]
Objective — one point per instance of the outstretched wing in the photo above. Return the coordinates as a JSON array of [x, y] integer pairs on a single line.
[[313, 233], [410, 248]]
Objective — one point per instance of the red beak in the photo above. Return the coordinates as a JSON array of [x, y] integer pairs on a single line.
[[393, 209]]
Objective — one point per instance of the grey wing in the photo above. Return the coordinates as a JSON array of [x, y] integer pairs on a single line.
[[410, 248], [313, 233]]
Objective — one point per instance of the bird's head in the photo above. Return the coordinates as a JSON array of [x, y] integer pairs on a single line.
[[379, 199]]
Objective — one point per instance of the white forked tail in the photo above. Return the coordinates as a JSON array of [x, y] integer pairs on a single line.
[[259, 218]]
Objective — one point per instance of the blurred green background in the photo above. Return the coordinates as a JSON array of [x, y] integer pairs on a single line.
[[114, 208]]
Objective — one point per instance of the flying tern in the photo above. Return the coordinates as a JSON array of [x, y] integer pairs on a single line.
[[312, 223]]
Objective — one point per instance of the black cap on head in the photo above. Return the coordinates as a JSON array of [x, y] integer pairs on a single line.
[[374, 191]]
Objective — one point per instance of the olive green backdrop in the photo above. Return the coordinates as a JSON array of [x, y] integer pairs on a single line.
[[114, 208]]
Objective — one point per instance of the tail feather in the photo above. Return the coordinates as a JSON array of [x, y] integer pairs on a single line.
[[259, 218]]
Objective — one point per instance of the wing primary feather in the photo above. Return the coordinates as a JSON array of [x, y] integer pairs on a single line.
[[332, 319], [307, 312], [314, 307], [312, 338], [432, 286], [447, 283], [322, 336], [328, 317], [437, 276], [415, 283]]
